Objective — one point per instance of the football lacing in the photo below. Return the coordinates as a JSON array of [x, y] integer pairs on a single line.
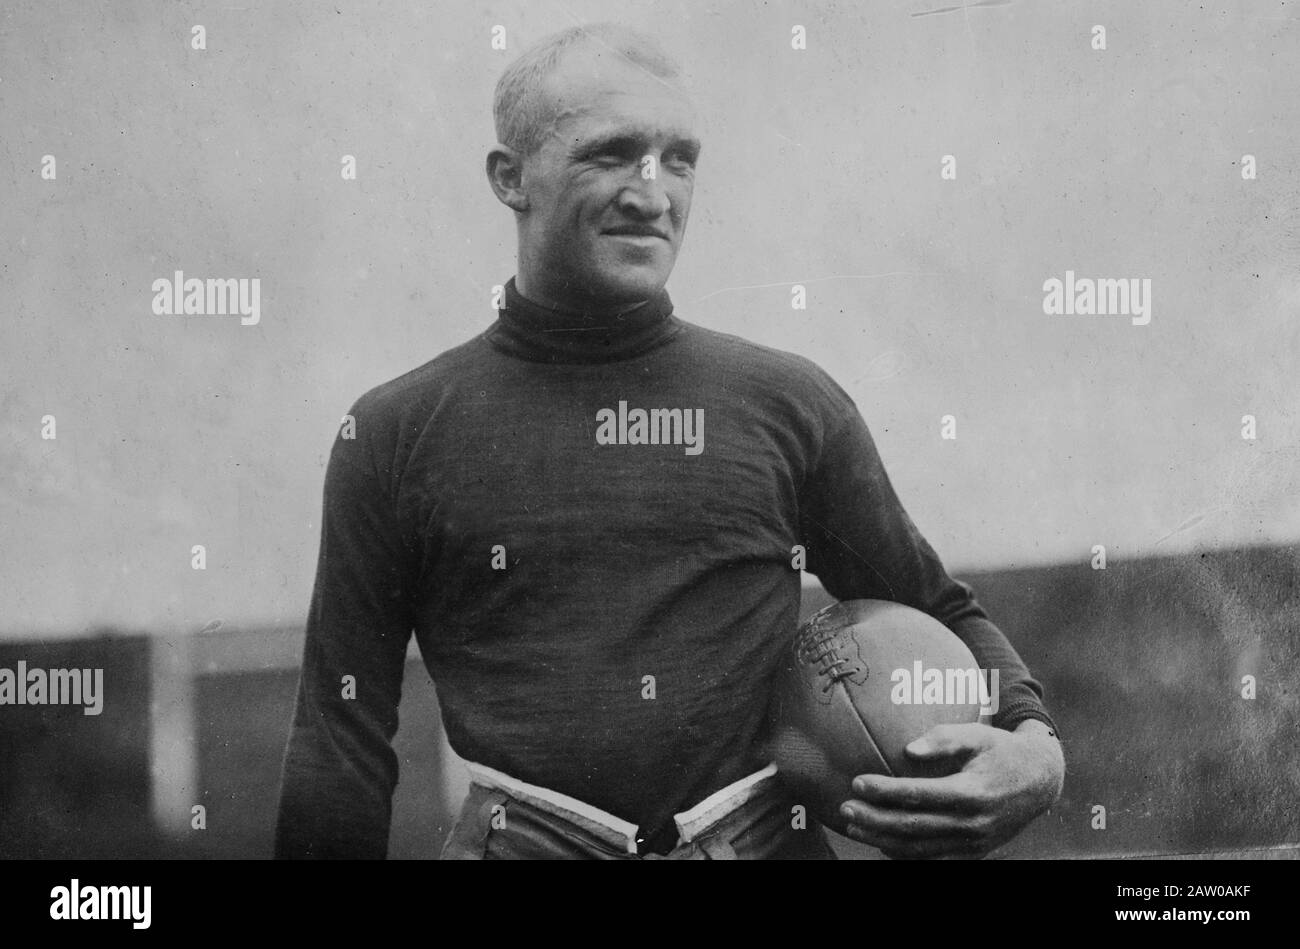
[[821, 649]]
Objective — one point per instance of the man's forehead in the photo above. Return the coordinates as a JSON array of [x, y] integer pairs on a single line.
[[586, 126], [606, 90]]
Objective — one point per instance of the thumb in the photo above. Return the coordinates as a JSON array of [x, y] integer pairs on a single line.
[[947, 741]]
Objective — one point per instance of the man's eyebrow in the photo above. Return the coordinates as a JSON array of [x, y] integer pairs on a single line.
[[629, 143], [616, 143], [688, 145]]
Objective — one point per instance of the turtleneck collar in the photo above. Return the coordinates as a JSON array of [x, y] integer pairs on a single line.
[[529, 330]]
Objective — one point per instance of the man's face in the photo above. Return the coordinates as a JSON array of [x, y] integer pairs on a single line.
[[609, 189]]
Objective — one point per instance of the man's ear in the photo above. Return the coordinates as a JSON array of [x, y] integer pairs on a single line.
[[505, 171]]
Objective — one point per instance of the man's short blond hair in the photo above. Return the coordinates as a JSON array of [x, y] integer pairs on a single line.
[[520, 107]]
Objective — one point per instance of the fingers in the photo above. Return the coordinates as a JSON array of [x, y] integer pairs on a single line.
[[904, 835], [960, 846], [954, 794], [937, 850], [956, 815], [903, 825], [944, 741]]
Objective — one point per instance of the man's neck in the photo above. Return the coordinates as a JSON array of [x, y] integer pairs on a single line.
[[536, 331]]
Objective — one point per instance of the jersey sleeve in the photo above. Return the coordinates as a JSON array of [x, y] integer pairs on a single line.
[[861, 544], [340, 769]]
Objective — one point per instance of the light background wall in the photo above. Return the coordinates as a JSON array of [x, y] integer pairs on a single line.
[[821, 166]]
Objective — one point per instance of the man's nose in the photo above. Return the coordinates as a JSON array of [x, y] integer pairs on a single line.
[[645, 196]]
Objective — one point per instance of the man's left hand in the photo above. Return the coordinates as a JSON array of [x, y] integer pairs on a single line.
[[1007, 779]]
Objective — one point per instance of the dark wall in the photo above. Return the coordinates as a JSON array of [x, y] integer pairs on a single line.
[[1142, 664], [243, 725], [72, 784]]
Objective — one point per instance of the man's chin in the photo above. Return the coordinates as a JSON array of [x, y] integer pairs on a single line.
[[626, 286]]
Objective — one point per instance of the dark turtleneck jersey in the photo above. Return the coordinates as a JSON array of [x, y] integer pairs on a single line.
[[552, 549]]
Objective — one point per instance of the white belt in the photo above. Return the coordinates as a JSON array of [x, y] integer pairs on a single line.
[[614, 830]]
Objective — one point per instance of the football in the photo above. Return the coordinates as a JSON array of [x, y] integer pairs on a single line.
[[861, 680]]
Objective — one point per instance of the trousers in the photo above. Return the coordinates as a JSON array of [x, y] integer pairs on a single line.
[[753, 819]]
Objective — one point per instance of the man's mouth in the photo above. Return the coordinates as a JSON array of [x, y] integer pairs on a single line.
[[636, 230]]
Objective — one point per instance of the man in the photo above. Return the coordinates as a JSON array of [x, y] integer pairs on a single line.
[[600, 582]]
